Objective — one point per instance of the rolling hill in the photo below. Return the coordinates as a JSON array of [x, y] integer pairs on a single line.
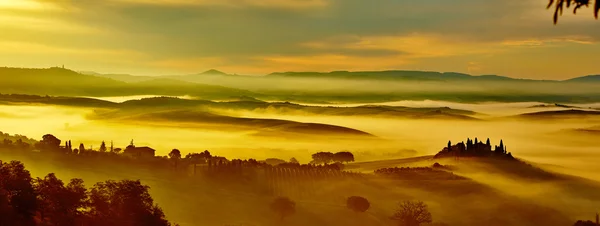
[[391, 75], [120, 77], [560, 114], [55, 81], [260, 126], [64, 82], [292, 108], [170, 103], [588, 78]]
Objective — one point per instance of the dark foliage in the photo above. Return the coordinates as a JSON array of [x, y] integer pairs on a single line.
[[585, 223], [343, 157], [48, 201], [175, 154], [329, 157], [559, 6], [475, 149], [322, 158], [358, 204], [418, 173], [410, 213], [283, 206], [19, 195]]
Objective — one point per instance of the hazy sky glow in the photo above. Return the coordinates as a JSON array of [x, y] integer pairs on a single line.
[[510, 37]]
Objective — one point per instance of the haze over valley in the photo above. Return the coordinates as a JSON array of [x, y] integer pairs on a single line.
[[299, 113]]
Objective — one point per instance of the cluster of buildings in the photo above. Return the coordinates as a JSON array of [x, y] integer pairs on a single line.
[[474, 148]]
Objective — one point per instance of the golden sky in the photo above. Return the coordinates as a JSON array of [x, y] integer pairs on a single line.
[[153, 37]]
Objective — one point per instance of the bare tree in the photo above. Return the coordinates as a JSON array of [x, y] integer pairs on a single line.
[[412, 213], [559, 6]]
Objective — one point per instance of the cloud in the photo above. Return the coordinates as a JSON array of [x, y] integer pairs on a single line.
[[16, 22], [189, 64], [261, 36], [25, 5], [231, 3], [536, 42], [35, 48]]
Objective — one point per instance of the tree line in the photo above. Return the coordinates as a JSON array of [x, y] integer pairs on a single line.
[[27, 201]]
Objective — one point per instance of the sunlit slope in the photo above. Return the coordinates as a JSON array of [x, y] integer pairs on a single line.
[[291, 108], [206, 119], [59, 81], [60, 100], [121, 77], [253, 106], [200, 201], [561, 114], [525, 180], [54, 81]]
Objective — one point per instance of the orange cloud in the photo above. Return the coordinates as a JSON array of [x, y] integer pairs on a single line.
[[9, 47], [25, 5], [550, 41], [413, 45], [190, 64], [233, 3]]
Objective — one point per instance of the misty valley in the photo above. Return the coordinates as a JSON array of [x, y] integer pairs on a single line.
[[412, 148]]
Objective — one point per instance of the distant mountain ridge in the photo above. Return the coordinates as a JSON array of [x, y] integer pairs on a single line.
[[65, 82], [377, 75], [587, 78], [392, 75], [305, 87]]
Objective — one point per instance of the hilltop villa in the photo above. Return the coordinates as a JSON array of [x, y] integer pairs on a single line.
[[474, 149]]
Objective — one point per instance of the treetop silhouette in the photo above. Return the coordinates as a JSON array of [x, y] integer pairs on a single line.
[[559, 6]]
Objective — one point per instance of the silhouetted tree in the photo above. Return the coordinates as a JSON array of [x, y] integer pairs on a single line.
[[274, 161], [197, 158], [584, 223], [81, 148], [112, 203], [15, 182], [6, 211], [322, 157], [283, 206], [49, 143], [559, 5], [51, 203], [449, 145], [294, 161], [358, 204], [102, 147], [488, 143], [411, 213], [59, 204], [343, 157], [175, 154]]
